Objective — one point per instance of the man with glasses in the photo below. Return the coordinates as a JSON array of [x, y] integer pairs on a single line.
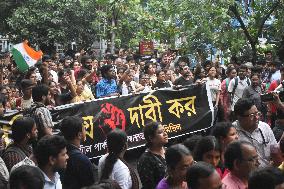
[[145, 82], [241, 159], [256, 132]]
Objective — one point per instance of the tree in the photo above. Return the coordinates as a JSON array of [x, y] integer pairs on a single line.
[[257, 19], [7, 7], [45, 22]]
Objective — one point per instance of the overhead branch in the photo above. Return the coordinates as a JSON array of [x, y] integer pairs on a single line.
[[274, 6], [234, 9]]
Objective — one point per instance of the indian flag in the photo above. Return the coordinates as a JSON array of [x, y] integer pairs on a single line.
[[25, 56]]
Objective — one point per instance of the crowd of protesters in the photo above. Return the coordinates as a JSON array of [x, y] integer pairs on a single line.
[[244, 150]]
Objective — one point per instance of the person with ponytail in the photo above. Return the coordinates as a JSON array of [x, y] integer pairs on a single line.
[[113, 166], [152, 164]]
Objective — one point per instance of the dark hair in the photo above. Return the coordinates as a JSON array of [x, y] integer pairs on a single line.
[[268, 51], [207, 62], [121, 68], [150, 132], [191, 142], [3, 100], [183, 59], [230, 69], [61, 73], [212, 66], [48, 146], [105, 184], [206, 144], [257, 69], [242, 105], [26, 176], [30, 72], [146, 67], [39, 91], [255, 73], [46, 57], [243, 67], [116, 143], [198, 171], [71, 126], [282, 145], [104, 69], [22, 126], [221, 129], [84, 59], [158, 72], [265, 178], [81, 74], [175, 153], [234, 152]]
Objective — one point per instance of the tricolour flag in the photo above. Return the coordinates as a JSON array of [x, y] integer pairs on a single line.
[[25, 56]]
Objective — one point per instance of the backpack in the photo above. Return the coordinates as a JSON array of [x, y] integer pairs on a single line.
[[31, 112], [236, 85], [237, 82]]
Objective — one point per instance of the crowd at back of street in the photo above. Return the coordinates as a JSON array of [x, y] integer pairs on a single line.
[[244, 148]]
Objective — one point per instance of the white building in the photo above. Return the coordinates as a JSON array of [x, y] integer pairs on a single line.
[[5, 45]]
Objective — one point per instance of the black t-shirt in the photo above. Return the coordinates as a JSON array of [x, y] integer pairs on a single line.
[[160, 84], [64, 97], [151, 169], [182, 81]]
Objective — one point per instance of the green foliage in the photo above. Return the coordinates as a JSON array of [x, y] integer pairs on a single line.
[[202, 24], [46, 22]]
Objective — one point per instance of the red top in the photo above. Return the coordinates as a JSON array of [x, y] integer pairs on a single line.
[[271, 88]]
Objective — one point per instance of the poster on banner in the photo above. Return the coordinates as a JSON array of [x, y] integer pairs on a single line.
[[146, 48], [180, 111]]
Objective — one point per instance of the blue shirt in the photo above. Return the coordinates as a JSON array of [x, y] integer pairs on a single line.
[[106, 87], [50, 184]]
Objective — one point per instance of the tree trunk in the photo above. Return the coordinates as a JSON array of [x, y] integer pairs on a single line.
[[280, 51], [254, 53], [113, 35]]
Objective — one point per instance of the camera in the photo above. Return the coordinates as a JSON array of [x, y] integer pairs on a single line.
[[268, 97]]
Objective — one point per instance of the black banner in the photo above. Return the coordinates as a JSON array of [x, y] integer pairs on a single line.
[[180, 111]]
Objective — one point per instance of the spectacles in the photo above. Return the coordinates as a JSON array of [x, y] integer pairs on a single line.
[[252, 115], [252, 159]]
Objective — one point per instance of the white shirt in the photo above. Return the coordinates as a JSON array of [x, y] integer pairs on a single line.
[[275, 76], [54, 75], [242, 84], [120, 173], [215, 87], [262, 138], [26, 103]]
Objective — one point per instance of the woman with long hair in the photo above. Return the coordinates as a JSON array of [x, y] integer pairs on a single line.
[[113, 166], [224, 95], [178, 159], [152, 164], [208, 150], [225, 133]]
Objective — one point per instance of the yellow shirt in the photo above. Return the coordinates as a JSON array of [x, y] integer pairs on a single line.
[[85, 95], [281, 167]]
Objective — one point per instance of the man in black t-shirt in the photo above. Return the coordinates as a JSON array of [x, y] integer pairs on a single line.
[[185, 78]]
